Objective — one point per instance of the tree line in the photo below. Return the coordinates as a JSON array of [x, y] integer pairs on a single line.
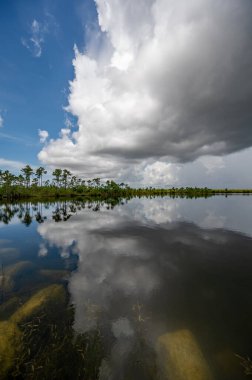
[[61, 178], [61, 182]]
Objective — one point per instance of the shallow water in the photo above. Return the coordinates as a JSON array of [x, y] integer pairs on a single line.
[[153, 289]]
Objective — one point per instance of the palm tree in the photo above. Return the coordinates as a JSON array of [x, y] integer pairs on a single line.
[[97, 181], [57, 174], [20, 180], [66, 174], [27, 171], [7, 178], [39, 174], [74, 181], [47, 183], [35, 182]]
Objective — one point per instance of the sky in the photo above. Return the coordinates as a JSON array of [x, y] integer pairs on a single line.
[[152, 93]]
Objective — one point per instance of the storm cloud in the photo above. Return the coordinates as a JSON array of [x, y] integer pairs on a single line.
[[167, 81]]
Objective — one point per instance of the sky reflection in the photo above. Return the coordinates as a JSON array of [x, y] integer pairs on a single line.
[[145, 270], [155, 266]]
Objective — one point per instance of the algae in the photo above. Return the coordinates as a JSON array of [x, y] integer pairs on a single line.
[[228, 364], [10, 337], [9, 307], [52, 350], [38, 340], [52, 295], [180, 357], [54, 274], [15, 274]]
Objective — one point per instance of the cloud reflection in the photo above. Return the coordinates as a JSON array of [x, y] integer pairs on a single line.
[[141, 274]]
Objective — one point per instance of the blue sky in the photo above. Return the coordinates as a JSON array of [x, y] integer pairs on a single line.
[[33, 90], [153, 92]]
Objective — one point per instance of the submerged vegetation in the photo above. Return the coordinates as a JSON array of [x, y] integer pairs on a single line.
[[62, 183], [37, 335], [38, 341]]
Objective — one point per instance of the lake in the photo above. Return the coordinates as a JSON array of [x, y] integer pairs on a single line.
[[141, 289]]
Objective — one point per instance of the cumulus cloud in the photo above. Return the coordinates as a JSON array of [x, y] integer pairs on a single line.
[[168, 81], [43, 135], [161, 170]]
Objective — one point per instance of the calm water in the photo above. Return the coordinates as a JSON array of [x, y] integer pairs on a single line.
[[145, 289]]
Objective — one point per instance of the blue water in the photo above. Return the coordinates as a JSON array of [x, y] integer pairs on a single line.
[[135, 273]]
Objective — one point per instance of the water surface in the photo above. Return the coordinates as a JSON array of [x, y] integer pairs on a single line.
[[143, 289]]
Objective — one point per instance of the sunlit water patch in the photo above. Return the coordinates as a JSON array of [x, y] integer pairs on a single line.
[[141, 289]]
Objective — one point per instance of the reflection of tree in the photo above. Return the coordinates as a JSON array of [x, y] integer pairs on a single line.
[[27, 218], [7, 213], [56, 215], [96, 207], [65, 213], [39, 217], [39, 213], [20, 212], [61, 210]]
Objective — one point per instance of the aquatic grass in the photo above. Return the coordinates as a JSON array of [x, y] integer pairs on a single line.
[[52, 295], [139, 316], [246, 363], [10, 337], [47, 347], [18, 273], [52, 350], [8, 307]]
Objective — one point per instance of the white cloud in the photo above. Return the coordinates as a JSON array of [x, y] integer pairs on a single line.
[[68, 122], [161, 171], [36, 39], [43, 251], [212, 163], [43, 135], [167, 81], [10, 164], [37, 33]]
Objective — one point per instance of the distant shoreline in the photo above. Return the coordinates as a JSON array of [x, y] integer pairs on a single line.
[[49, 193], [30, 184]]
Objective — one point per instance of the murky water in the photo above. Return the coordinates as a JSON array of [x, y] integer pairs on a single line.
[[145, 289]]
